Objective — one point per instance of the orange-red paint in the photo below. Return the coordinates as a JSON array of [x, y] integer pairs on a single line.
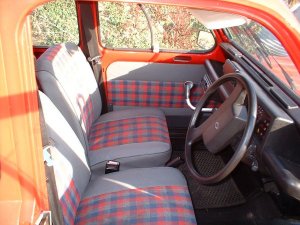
[[38, 51], [14, 101], [22, 184]]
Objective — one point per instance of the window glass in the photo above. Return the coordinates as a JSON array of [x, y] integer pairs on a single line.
[[125, 25], [176, 28], [261, 44], [55, 22]]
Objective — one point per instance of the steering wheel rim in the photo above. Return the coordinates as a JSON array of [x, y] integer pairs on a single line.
[[247, 133]]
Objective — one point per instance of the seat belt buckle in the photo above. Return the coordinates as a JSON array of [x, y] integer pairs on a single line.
[[112, 166]]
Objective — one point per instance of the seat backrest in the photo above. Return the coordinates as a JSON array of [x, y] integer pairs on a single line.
[[67, 79], [72, 173]]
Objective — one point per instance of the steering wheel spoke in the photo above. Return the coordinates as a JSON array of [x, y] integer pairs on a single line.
[[195, 134]]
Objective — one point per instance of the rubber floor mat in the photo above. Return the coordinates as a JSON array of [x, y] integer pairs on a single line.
[[223, 194]]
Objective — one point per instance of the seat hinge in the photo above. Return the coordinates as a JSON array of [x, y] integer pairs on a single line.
[[95, 60], [44, 218], [47, 155]]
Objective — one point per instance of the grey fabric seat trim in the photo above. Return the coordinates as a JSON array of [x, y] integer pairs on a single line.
[[66, 145], [129, 113], [43, 79], [142, 152], [134, 178]]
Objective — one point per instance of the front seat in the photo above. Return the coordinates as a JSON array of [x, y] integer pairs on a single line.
[[134, 196], [136, 138]]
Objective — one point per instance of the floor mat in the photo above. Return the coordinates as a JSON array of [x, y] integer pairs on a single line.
[[220, 195], [258, 210]]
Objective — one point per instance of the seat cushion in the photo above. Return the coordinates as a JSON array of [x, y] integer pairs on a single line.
[[136, 138], [161, 196]]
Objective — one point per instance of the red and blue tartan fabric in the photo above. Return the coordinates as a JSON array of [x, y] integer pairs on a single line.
[[150, 93], [86, 111], [69, 203], [128, 131], [163, 205], [69, 196], [51, 54]]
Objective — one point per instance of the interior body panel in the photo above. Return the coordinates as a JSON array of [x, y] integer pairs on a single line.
[[268, 140], [119, 136]]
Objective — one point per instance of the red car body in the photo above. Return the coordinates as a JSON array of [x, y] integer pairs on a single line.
[[23, 192]]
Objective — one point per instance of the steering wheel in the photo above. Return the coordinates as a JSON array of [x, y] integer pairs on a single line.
[[223, 125]]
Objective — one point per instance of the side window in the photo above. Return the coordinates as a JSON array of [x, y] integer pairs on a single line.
[[55, 22], [125, 25], [175, 28]]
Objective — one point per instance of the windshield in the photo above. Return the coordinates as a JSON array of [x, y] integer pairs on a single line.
[[261, 44]]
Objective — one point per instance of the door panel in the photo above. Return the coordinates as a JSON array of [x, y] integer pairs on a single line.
[[132, 84], [155, 71], [160, 85], [163, 94]]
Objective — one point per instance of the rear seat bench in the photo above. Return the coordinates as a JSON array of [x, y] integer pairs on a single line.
[[134, 196], [135, 138]]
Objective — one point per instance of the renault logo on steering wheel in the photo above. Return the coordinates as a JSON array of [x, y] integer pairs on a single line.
[[217, 125]]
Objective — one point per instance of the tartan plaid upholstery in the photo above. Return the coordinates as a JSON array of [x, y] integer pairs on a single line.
[[150, 93], [127, 131], [50, 55], [69, 203], [86, 112], [151, 205], [69, 196]]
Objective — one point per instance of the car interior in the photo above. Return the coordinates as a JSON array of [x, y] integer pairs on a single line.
[[158, 136]]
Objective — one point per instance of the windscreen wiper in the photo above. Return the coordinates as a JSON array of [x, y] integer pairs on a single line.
[[259, 49], [288, 78], [262, 52], [265, 51]]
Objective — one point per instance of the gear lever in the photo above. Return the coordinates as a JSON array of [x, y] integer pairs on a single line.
[[188, 85]]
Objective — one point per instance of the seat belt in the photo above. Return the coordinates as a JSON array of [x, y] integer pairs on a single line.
[[56, 211], [91, 41]]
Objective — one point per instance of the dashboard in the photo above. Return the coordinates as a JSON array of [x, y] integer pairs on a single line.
[[274, 149], [262, 127], [263, 121]]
